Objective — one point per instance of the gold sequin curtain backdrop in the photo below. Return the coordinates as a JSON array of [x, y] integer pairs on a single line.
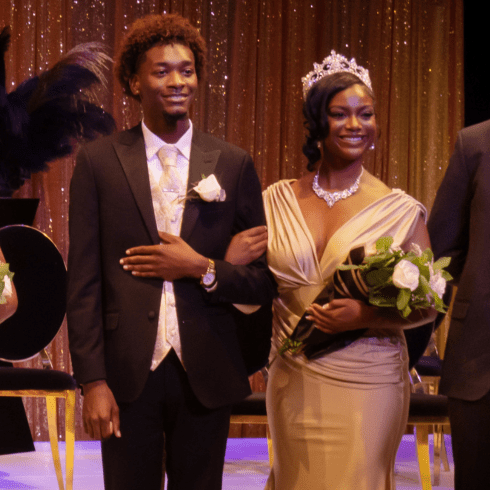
[[258, 52]]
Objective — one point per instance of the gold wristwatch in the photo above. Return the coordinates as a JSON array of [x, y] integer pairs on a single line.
[[208, 279]]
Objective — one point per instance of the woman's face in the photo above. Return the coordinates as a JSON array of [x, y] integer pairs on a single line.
[[352, 125]]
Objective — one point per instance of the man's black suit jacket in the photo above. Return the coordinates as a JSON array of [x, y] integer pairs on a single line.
[[113, 316], [459, 227]]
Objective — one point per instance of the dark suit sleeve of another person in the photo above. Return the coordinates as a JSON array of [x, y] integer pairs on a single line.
[[459, 227], [449, 222]]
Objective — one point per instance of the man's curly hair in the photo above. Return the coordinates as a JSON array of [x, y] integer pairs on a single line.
[[155, 30]]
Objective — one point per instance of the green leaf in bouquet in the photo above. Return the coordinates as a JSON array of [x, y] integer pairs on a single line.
[[424, 286], [442, 263], [424, 258], [410, 256], [406, 311], [292, 346], [439, 304], [382, 301], [414, 259], [5, 271], [428, 254], [377, 259], [392, 261], [437, 301], [384, 243], [419, 260], [349, 267], [424, 271], [440, 309], [387, 262], [445, 275], [403, 298], [419, 297], [378, 277]]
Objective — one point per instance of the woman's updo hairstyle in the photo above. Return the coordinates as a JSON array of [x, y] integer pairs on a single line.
[[315, 110]]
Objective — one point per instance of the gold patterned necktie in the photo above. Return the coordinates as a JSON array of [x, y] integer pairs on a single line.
[[168, 213], [170, 181]]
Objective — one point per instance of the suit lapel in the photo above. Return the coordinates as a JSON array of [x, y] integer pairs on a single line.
[[130, 149], [201, 163]]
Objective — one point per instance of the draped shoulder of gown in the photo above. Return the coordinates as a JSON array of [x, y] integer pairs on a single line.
[[337, 421]]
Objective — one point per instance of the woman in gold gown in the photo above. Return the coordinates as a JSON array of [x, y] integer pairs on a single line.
[[337, 421]]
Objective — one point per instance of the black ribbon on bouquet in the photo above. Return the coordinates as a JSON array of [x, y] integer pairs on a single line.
[[346, 284]]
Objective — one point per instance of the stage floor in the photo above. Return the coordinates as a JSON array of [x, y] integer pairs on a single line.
[[246, 467]]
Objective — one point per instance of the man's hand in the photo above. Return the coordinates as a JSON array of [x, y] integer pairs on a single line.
[[172, 259], [100, 411], [247, 246]]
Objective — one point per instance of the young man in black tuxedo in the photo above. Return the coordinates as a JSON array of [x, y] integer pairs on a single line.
[[150, 308]]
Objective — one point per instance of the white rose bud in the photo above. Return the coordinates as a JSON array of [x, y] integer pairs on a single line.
[[415, 248], [7, 289], [209, 189], [438, 284], [406, 275]]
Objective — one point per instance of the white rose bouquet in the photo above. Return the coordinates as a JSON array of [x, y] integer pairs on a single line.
[[388, 278], [5, 278], [403, 280]]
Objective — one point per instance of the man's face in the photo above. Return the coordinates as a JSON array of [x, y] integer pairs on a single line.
[[166, 83]]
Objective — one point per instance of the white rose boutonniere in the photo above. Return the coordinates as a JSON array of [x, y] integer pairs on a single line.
[[209, 189], [406, 275]]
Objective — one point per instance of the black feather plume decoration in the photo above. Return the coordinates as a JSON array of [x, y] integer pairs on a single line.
[[43, 117]]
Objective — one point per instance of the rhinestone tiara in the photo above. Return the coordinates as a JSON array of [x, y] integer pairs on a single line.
[[334, 63]]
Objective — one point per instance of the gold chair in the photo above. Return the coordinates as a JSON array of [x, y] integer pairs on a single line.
[[426, 411], [40, 283], [429, 415], [252, 410], [49, 384]]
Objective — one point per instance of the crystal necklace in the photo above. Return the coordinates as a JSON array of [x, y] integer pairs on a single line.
[[332, 197]]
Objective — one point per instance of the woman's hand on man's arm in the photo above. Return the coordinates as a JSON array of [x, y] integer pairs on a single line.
[[247, 246]]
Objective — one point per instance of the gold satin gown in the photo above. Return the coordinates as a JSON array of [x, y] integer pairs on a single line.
[[336, 422]]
